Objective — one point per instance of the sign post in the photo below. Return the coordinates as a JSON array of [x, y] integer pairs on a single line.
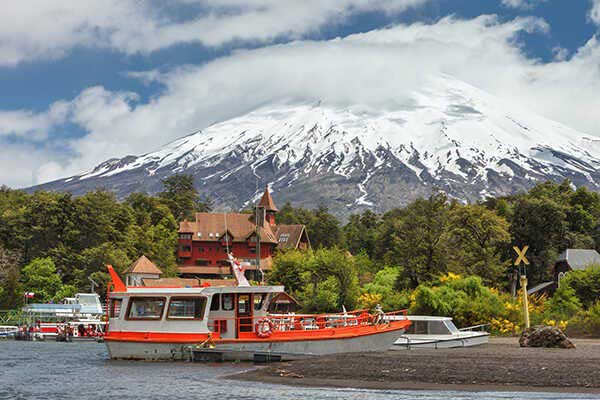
[[522, 259]]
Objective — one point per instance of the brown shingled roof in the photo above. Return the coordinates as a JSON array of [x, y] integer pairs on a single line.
[[267, 201], [288, 236], [211, 226], [143, 266]]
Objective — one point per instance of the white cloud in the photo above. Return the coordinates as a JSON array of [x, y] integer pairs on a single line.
[[48, 29], [595, 12], [522, 4], [378, 68], [33, 125]]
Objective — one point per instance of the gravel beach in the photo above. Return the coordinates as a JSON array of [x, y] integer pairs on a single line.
[[499, 365]]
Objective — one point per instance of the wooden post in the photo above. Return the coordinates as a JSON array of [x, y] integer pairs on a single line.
[[522, 259], [525, 300]]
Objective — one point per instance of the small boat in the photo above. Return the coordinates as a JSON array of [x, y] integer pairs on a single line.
[[438, 333], [78, 318], [8, 331], [241, 322]]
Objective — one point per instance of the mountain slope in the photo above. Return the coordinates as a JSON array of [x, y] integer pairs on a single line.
[[448, 135]]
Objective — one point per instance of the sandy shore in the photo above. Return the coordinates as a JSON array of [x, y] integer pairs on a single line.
[[500, 365]]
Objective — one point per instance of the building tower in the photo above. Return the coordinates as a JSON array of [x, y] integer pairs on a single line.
[[267, 203]]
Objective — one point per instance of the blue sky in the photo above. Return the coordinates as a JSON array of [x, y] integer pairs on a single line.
[[85, 83]]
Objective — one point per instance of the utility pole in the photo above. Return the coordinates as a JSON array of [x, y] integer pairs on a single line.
[[521, 259]]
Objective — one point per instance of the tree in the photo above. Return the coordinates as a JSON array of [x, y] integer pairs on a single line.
[[182, 198], [288, 269], [9, 278], [478, 235], [360, 233], [541, 224], [163, 237], [416, 237], [40, 277], [324, 229]]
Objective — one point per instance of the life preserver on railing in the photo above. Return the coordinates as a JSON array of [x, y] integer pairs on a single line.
[[264, 328], [364, 318]]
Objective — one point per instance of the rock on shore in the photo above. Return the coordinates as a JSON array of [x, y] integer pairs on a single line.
[[545, 336]]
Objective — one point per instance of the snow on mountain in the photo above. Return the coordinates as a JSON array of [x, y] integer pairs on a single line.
[[448, 135]]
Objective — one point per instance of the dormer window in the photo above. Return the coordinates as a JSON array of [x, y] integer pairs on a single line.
[[185, 236]]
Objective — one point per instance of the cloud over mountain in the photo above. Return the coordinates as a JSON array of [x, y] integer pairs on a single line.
[[379, 68]]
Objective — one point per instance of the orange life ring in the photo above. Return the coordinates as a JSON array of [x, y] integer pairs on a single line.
[[264, 328]]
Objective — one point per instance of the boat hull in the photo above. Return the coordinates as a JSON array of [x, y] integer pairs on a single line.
[[441, 341], [252, 350]]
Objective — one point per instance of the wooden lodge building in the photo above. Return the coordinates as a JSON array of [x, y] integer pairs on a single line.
[[203, 243]]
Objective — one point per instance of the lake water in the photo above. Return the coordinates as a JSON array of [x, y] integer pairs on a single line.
[[50, 370]]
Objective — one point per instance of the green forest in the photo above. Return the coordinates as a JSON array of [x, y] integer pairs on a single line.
[[433, 256]]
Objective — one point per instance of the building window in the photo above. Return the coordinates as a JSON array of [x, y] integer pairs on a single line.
[[227, 302], [202, 262], [185, 236], [224, 263], [185, 249], [252, 250], [186, 308], [201, 249], [145, 308], [215, 302]]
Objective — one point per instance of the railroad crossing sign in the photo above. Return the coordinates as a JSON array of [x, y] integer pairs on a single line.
[[521, 255], [522, 259]]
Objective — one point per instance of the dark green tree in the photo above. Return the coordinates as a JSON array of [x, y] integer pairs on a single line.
[[182, 198]]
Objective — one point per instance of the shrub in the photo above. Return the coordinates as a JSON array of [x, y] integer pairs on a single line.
[[382, 288], [563, 305], [585, 283], [586, 322], [468, 302]]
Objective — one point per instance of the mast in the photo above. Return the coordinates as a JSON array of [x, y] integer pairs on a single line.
[[257, 232]]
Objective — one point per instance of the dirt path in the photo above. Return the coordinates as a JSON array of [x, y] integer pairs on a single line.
[[500, 365]]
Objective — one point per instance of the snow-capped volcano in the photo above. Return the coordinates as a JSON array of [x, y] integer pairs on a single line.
[[447, 135]]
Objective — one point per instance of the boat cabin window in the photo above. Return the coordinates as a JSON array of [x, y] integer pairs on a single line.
[[115, 308], [259, 299], [243, 303], [227, 302], [215, 302], [186, 308], [145, 308]]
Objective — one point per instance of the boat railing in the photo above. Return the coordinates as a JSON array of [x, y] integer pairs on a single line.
[[301, 322], [475, 328]]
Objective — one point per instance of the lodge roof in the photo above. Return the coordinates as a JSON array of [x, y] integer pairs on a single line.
[[143, 266], [212, 226], [267, 202], [288, 236], [579, 259]]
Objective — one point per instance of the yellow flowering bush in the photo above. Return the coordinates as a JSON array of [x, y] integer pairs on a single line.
[[504, 327], [369, 300]]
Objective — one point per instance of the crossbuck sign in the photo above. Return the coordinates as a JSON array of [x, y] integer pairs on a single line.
[[521, 255]]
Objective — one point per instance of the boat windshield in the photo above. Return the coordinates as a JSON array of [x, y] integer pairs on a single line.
[[451, 327], [437, 328]]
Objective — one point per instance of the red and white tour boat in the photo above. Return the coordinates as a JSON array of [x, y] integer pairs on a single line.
[[241, 322]]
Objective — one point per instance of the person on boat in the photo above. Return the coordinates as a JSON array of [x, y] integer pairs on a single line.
[[378, 315]]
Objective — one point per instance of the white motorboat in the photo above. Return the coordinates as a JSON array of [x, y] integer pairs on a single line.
[[438, 333], [7, 331]]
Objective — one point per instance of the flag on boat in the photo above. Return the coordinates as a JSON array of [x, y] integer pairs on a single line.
[[29, 295]]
